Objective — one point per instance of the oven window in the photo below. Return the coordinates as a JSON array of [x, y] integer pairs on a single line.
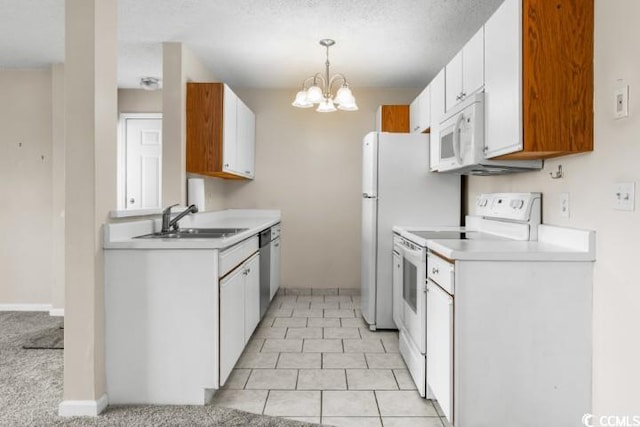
[[410, 284], [446, 146]]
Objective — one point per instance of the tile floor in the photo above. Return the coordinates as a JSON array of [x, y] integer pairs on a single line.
[[313, 359]]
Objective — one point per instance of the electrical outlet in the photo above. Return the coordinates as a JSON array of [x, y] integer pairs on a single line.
[[564, 205], [621, 96], [624, 195]]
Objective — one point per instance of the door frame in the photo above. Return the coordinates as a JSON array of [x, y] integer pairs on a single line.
[[122, 153]]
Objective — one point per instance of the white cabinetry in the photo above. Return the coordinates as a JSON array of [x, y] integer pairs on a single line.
[[503, 80], [419, 112], [251, 272], [246, 140], [437, 109], [274, 280], [231, 322], [465, 72], [239, 301], [220, 132], [440, 346]]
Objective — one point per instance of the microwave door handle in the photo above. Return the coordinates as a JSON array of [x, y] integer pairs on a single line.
[[456, 138]]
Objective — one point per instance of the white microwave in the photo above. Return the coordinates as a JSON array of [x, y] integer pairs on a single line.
[[462, 142], [462, 134]]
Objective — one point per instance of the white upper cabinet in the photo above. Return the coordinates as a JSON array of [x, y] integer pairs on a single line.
[[420, 112], [229, 131], [503, 80], [465, 72], [437, 110], [221, 132], [246, 140]]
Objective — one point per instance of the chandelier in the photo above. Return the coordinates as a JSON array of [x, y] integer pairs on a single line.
[[320, 90]]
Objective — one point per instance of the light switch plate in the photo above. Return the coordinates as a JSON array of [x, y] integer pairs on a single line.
[[621, 97], [624, 195]]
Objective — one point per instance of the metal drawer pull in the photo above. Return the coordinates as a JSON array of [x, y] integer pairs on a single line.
[[435, 270]]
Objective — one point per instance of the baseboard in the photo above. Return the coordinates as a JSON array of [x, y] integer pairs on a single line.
[[83, 408], [25, 307], [59, 312]]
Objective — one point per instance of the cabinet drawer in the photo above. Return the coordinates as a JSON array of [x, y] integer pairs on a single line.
[[236, 254], [275, 231], [440, 271]]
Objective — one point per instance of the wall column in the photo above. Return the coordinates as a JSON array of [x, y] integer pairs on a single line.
[[91, 110]]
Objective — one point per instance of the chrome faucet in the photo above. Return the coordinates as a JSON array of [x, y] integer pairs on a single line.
[[168, 223]]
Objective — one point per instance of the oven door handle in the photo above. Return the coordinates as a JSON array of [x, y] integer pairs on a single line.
[[413, 254]]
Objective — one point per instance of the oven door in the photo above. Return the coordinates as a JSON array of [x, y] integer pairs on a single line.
[[414, 294]]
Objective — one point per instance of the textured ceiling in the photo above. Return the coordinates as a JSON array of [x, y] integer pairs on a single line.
[[263, 43]]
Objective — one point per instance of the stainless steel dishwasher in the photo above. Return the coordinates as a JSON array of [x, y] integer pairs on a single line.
[[265, 273]]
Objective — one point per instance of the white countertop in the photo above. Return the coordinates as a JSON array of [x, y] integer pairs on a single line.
[[121, 235], [553, 244]]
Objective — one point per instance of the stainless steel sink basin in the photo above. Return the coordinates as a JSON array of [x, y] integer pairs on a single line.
[[194, 233]]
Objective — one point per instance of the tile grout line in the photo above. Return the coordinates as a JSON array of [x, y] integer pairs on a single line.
[[375, 396], [264, 407]]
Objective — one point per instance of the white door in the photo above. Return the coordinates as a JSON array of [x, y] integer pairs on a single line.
[[440, 347], [454, 81], [251, 272], [503, 80], [232, 303], [245, 134], [274, 272], [473, 64], [143, 163], [397, 288], [229, 131]]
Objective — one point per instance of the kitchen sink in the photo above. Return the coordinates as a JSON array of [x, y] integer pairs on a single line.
[[194, 233]]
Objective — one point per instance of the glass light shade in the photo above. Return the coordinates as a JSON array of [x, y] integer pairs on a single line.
[[344, 96], [326, 106], [349, 106], [314, 94], [301, 100]]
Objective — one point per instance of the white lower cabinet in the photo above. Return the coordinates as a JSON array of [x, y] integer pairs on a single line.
[[239, 310], [440, 347], [232, 318], [274, 280], [251, 272]]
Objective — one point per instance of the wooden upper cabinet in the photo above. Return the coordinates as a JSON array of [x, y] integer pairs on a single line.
[[539, 79], [393, 118], [220, 132]]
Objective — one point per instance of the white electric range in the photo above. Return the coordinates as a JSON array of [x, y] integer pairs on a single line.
[[495, 317], [497, 216]]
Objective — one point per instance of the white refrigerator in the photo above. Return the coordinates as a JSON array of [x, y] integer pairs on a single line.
[[397, 189]]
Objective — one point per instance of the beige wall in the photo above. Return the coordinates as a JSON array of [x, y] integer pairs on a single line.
[[91, 105], [25, 186], [57, 187], [309, 165], [588, 180], [139, 101]]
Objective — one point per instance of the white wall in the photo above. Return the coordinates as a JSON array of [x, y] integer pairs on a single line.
[[25, 186], [588, 180], [310, 165]]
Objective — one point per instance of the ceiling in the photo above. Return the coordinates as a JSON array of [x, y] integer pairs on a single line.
[[263, 43]]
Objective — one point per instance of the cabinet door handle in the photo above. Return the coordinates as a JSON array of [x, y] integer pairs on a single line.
[[132, 200], [277, 245], [458, 98], [463, 94], [247, 172], [226, 165], [435, 270]]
